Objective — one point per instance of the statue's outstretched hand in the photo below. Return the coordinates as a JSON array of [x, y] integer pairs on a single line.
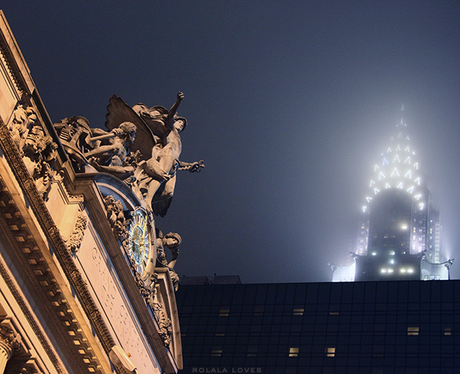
[[196, 166]]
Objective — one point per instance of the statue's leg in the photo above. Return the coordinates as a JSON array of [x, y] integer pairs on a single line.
[[168, 190], [152, 188]]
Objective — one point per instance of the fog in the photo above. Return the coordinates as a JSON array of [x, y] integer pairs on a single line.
[[289, 104]]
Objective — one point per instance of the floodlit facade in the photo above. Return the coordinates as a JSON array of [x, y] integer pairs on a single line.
[[399, 235], [82, 287]]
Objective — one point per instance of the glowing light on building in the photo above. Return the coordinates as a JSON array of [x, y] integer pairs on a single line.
[[397, 217], [388, 174]]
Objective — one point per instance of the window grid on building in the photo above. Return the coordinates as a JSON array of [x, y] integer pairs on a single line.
[[392, 325]]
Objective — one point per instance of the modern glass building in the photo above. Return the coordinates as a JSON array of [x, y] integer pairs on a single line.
[[385, 327]]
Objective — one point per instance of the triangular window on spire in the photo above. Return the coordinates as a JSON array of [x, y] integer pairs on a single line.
[[371, 183], [376, 168], [368, 199], [407, 137], [400, 185], [392, 138], [417, 181], [410, 189], [381, 176], [387, 186], [408, 174], [407, 160], [396, 159], [395, 172], [376, 191], [400, 135], [418, 196], [398, 148], [385, 162], [416, 166], [389, 150], [407, 149]]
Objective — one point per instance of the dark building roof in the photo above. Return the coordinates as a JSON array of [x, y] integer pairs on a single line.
[[297, 328]]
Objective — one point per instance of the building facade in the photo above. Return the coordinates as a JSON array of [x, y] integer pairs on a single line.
[[384, 327], [399, 235], [85, 283]]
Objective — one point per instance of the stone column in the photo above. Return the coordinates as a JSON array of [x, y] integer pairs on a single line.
[[10, 342]]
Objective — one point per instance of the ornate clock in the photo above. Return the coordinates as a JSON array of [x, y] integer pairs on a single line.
[[139, 243]]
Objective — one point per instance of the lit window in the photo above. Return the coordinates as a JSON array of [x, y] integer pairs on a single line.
[[402, 270], [216, 353], [390, 270], [293, 352], [224, 312], [330, 352], [447, 331], [383, 270], [410, 270], [392, 253], [334, 313], [219, 334], [412, 330], [374, 253], [298, 312]]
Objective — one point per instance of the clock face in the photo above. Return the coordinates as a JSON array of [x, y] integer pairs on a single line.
[[139, 244]]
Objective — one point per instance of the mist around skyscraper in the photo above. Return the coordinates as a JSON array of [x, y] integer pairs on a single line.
[[398, 234]]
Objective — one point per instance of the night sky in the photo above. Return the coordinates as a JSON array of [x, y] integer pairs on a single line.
[[288, 103]]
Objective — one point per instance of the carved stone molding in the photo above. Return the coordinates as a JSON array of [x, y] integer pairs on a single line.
[[163, 320], [30, 318], [13, 67], [10, 341], [116, 217], [36, 266], [76, 238]]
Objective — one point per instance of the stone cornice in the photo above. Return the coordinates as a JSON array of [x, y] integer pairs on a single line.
[[30, 316], [34, 262], [7, 42]]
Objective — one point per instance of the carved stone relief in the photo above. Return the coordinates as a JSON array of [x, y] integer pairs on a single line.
[[10, 344], [141, 147], [159, 311], [172, 242], [116, 217], [76, 238], [38, 148]]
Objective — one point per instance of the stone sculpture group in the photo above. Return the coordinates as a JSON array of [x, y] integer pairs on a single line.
[[141, 147]]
